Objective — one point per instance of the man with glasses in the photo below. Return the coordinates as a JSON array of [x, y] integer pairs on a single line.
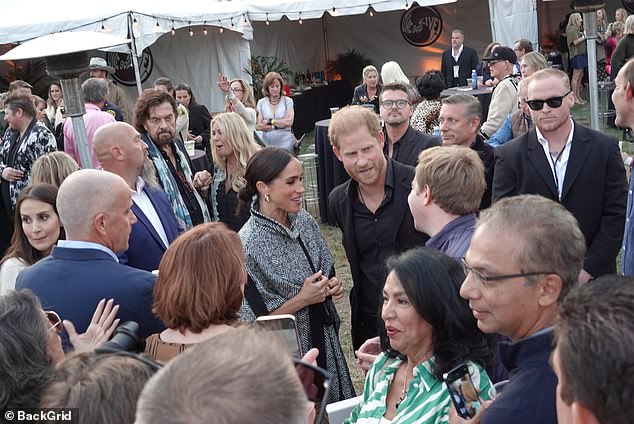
[[402, 142], [570, 164], [155, 119], [525, 255], [371, 211], [504, 99]]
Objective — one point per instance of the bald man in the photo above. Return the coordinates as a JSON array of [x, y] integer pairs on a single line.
[[95, 210], [120, 150]]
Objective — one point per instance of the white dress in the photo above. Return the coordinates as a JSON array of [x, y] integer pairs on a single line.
[[9, 273], [281, 137]]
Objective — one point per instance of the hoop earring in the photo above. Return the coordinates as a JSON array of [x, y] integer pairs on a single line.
[[267, 198]]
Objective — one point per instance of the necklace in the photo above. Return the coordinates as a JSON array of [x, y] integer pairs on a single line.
[[274, 102], [403, 395]]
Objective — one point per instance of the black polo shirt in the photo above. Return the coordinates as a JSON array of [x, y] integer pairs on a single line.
[[374, 239]]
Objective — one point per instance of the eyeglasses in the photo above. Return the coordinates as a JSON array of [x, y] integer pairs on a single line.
[[493, 62], [316, 382], [400, 104], [484, 280], [237, 89], [54, 320], [553, 102]]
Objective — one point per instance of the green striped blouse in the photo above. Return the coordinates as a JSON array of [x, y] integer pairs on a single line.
[[427, 400]]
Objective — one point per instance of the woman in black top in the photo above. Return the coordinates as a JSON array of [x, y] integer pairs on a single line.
[[199, 118], [233, 146]]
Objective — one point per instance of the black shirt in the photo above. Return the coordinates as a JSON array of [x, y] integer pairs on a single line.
[[487, 154], [186, 190], [373, 236], [407, 148], [227, 208]]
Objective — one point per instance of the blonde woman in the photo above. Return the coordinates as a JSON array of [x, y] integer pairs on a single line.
[[239, 98], [232, 147], [370, 90], [578, 57], [53, 168]]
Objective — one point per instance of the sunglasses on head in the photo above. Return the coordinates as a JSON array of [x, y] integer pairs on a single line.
[[553, 102], [316, 382], [54, 320]]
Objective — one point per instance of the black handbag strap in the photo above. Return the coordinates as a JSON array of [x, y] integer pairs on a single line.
[[254, 298]]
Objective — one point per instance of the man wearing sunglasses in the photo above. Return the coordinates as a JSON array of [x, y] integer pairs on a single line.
[[402, 142], [623, 99], [571, 164], [504, 99]]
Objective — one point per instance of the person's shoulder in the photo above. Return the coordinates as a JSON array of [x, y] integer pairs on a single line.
[[403, 171]]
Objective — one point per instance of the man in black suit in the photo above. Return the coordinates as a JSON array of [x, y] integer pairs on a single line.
[[574, 165], [371, 211], [402, 142], [458, 61]]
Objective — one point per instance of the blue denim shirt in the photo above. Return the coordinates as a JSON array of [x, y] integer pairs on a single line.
[[628, 238]]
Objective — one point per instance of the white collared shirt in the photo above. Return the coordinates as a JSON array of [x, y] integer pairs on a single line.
[[559, 164], [141, 199], [77, 244], [456, 56]]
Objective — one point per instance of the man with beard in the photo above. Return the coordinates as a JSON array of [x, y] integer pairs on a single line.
[[371, 210], [402, 142], [571, 164], [155, 118]]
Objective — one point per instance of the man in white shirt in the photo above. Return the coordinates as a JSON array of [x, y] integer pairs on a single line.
[[458, 61], [119, 148]]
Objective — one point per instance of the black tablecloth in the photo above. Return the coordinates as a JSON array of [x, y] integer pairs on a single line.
[[330, 172], [313, 105], [199, 161], [482, 94]]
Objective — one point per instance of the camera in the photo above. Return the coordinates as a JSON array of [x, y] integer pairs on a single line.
[[126, 338]]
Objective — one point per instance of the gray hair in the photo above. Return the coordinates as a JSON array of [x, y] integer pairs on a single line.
[[95, 90], [368, 69], [223, 381], [473, 108], [552, 239], [25, 366], [82, 196]]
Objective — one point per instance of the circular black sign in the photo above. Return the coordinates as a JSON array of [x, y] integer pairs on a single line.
[[123, 67], [421, 26]]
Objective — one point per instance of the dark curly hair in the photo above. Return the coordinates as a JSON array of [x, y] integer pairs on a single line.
[[430, 85], [432, 281], [150, 98]]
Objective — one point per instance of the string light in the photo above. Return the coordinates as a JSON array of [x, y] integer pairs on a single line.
[[157, 24], [205, 27], [103, 27], [232, 26], [406, 4], [371, 11], [245, 18], [267, 19], [333, 9], [134, 20], [191, 32], [300, 18], [173, 30]]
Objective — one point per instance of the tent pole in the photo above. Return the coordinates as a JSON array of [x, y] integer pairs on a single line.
[[323, 26], [135, 59]]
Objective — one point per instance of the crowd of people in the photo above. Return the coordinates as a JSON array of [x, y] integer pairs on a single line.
[[485, 242]]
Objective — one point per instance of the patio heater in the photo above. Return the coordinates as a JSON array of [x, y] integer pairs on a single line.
[[66, 57]]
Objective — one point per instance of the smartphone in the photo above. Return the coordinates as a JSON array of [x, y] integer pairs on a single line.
[[462, 391], [284, 327]]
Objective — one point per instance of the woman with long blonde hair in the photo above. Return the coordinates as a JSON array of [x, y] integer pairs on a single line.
[[232, 147], [577, 48], [239, 99]]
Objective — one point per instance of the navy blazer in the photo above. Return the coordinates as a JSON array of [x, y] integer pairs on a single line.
[[145, 248], [594, 191], [72, 281]]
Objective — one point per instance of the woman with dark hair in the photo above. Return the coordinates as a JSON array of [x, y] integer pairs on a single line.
[[425, 117], [31, 345], [197, 299], [275, 114], [289, 265], [428, 330], [55, 116], [37, 230], [199, 118]]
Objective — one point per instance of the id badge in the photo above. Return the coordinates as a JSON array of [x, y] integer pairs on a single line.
[[456, 68]]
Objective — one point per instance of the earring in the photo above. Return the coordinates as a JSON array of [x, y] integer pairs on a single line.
[[267, 198]]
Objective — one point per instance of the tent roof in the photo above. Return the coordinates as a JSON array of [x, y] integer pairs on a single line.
[[35, 18]]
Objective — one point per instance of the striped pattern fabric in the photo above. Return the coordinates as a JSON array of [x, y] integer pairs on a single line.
[[427, 400]]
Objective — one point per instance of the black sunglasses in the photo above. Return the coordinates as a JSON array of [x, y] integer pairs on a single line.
[[316, 382], [553, 102]]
